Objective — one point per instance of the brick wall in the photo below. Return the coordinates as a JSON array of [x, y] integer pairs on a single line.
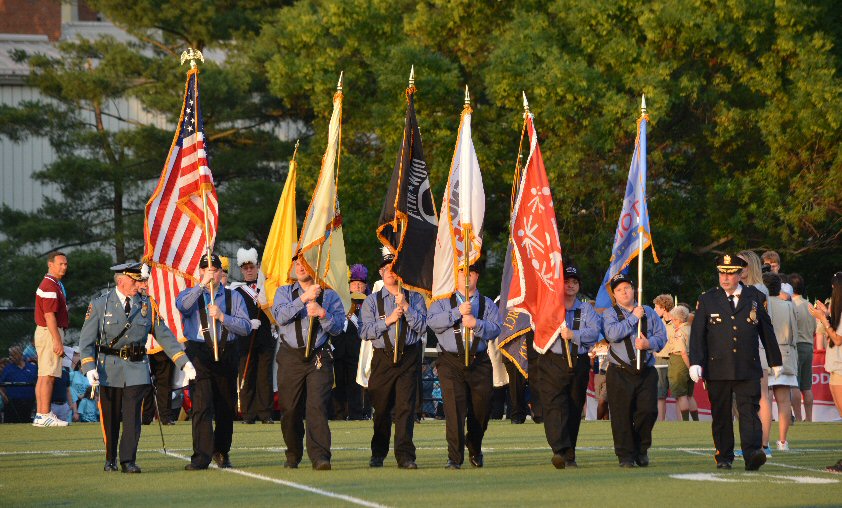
[[31, 17]]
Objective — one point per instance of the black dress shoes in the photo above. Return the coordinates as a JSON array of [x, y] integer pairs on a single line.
[[642, 460], [267, 421], [723, 465], [627, 464], [452, 465], [130, 467], [409, 464], [288, 464], [476, 460], [321, 465], [222, 461], [110, 466], [570, 464], [755, 460], [558, 461], [194, 467], [375, 462]]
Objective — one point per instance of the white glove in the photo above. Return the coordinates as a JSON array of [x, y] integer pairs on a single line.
[[695, 373], [255, 324], [93, 377], [189, 371], [777, 371]]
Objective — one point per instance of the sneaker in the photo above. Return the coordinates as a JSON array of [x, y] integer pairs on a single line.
[[768, 451], [783, 446], [48, 420], [836, 468]]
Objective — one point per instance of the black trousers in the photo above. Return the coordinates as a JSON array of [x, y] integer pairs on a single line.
[[578, 398], [257, 393], [556, 386], [18, 411], [633, 401], [347, 394], [124, 404], [394, 388], [162, 370], [747, 394], [466, 394], [518, 408], [304, 393], [214, 396]]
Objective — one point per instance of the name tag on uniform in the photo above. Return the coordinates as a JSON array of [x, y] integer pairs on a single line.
[[714, 315], [107, 314]]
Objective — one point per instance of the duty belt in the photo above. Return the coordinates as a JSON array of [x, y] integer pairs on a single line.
[[132, 352]]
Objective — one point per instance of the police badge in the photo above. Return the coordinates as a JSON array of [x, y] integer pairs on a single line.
[[144, 309], [752, 315]]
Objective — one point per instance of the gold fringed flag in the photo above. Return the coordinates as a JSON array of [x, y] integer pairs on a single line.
[[277, 255]]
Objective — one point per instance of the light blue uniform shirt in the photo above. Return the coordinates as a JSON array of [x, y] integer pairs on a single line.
[[372, 326], [590, 326], [236, 319], [441, 318], [616, 331], [289, 309]]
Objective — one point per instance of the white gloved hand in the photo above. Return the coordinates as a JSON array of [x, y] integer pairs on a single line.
[[777, 371], [695, 373], [93, 377], [189, 371], [255, 324]]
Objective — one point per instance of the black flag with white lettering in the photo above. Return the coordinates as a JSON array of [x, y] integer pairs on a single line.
[[408, 222]]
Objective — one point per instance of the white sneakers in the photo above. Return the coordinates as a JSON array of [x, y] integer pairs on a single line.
[[48, 420], [783, 446]]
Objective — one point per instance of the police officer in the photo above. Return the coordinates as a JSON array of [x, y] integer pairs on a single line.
[[466, 390], [632, 392], [258, 351], [304, 382], [723, 350], [214, 391], [113, 351], [393, 386], [563, 388]]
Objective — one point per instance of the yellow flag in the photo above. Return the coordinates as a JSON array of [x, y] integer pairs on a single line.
[[277, 256]]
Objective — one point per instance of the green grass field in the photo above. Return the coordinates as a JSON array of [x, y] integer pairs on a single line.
[[61, 467]]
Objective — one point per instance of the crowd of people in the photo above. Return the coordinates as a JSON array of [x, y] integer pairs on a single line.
[[750, 340]]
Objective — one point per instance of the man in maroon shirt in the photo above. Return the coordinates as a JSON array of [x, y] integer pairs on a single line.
[[52, 321]]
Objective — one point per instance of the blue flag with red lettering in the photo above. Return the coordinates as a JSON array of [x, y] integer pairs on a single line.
[[634, 219]]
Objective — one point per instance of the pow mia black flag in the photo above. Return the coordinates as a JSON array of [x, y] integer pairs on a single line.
[[408, 222]]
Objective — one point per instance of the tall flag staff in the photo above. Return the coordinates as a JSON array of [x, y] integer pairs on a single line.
[[630, 242], [323, 222], [465, 211], [182, 216]]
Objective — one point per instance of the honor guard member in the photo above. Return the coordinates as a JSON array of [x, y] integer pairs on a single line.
[[466, 391], [162, 369], [304, 382], [113, 350], [347, 394], [563, 390], [394, 318], [723, 351], [256, 390], [632, 393], [214, 391]]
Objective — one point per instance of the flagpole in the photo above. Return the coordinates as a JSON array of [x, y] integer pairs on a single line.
[[640, 232], [466, 238], [395, 355], [192, 55]]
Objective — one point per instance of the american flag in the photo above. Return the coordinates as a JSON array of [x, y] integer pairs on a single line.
[[174, 228]]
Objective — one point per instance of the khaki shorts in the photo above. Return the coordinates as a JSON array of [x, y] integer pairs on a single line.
[[49, 364], [835, 379]]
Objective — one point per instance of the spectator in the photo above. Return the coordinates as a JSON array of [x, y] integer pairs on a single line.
[[772, 259], [752, 275], [62, 404], [782, 314], [88, 406], [18, 400], [832, 323], [51, 319], [663, 305], [678, 347], [804, 345]]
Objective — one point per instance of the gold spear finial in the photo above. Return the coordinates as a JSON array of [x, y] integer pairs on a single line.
[[411, 77], [643, 104], [295, 152], [525, 105], [192, 55], [339, 85], [467, 96]]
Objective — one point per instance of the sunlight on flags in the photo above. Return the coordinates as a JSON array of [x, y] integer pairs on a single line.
[[634, 219], [321, 232], [174, 225], [462, 212], [408, 222]]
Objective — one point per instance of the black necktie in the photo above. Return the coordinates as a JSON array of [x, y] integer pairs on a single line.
[[128, 306], [731, 301]]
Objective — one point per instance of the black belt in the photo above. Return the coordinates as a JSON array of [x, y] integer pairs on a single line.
[[132, 352]]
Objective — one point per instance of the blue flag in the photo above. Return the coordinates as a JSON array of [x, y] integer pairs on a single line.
[[514, 324], [634, 219]]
